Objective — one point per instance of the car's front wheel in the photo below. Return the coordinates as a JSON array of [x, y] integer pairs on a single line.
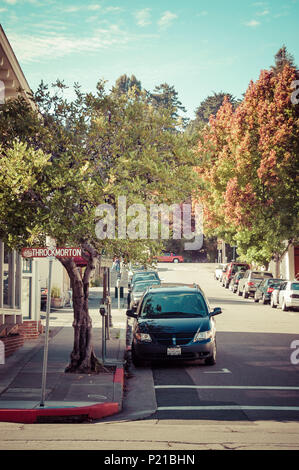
[[175, 260]]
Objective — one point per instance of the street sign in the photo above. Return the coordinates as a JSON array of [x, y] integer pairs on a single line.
[[46, 252]]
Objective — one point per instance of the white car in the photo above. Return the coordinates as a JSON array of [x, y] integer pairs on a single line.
[[218, 271], [287, 296]]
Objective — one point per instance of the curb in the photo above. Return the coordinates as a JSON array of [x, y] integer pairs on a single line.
[[71, 413]]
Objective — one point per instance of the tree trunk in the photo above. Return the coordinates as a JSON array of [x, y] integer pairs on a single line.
[[83, 359]]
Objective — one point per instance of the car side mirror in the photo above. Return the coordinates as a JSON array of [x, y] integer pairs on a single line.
[[216, 311], [132, 313]]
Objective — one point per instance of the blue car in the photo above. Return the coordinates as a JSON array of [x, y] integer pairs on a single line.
[[173, 323]]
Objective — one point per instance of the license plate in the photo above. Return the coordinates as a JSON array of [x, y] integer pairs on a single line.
[[174, 351]]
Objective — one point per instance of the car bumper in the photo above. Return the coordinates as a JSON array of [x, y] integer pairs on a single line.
[[191, 352], [292, 303]]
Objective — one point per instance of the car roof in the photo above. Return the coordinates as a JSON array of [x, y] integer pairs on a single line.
[[172, 287]]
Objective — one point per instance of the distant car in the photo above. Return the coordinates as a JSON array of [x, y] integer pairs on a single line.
[[286, 296], [231, 269], [169, 258], [139, 289], [233, 285], [218, 271], [174, 323], [248, 284], [265, 288]]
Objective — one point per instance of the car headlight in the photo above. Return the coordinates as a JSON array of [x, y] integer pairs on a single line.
[[202, 335], [143, 337]]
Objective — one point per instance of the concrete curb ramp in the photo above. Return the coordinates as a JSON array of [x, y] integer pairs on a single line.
[[63, 411]]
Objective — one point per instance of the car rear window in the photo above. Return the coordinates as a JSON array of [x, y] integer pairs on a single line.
[[174, 304], [142, 286], [295, 286], [239, 267], [256, 275]]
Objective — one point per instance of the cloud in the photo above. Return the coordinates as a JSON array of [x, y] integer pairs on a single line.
[[263, 13], [202, 13], [143, 17], [252, 23], [167, 18], [52, 45], [93, 7]]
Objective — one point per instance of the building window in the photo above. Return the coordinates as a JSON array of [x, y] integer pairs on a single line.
[[10, 276], [27, 265]]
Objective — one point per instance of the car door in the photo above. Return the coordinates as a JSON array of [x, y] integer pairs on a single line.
[[281, 293]]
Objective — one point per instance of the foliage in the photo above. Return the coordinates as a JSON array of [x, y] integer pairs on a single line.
[[248, 160]]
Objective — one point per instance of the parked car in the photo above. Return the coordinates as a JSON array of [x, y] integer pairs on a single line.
[[169, 258], [286, 296], [248, 284], [142, 276], [231, 269], [174, 323], [138, 290], [233, 285], [218, 271], [265, 288]]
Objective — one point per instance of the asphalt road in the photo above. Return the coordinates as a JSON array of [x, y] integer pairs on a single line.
[[253, 379]]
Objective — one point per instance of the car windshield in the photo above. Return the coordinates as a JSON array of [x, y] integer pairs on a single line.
[[174, 305], [295, 286]]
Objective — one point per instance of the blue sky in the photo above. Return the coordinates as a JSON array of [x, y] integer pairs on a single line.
[[196, 46]]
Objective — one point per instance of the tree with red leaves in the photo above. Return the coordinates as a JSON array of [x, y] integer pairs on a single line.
[[248, 161]]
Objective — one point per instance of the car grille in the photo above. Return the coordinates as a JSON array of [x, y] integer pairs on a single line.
[[167, 339]]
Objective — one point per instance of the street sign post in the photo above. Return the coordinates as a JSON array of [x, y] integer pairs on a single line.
[[50, 252]]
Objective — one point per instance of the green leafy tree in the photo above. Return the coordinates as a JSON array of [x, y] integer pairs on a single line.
[[74, 156]]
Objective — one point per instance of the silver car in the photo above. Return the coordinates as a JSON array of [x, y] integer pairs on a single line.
[[286, 296]]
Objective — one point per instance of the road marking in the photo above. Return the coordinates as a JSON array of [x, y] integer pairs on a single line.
[[222, 371], [228, 408], [229, 387]]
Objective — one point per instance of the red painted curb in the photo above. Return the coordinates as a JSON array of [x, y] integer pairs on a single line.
[[119, 376], [97, 411], [31, 416]]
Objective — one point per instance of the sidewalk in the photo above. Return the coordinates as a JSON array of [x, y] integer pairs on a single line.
[[69, 397]]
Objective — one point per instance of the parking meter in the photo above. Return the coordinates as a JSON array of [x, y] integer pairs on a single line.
[[103, 310]]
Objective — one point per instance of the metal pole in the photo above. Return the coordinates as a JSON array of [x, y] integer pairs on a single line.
[[45, 361], [118, 293], [103, 338]]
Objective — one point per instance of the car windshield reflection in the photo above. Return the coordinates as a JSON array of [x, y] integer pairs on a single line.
[[184, 305]]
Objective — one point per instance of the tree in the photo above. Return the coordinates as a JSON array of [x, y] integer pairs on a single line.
[[123, 84], [75, 156], [166, 97], [282, 58], [208, 107], [248, 160]]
